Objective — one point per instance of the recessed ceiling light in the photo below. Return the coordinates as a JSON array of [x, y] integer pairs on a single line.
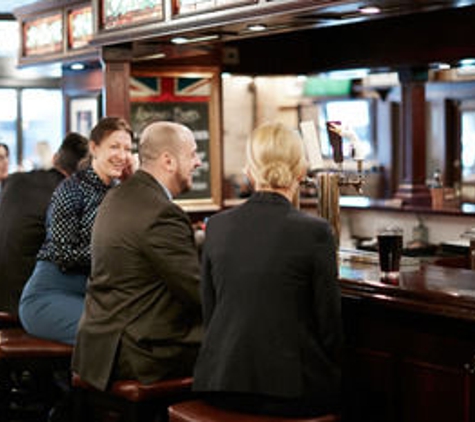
[[179, 40], [77, 66], [370, 10], [257, 27], [201, 38]]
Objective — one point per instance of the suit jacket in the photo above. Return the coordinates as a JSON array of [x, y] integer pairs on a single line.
[[271, 303], [25, 200], [142, 306]]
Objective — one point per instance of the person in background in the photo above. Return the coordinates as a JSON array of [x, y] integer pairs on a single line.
[[271, 300], [53, 298], [4, 164], [142, 315], [25, 199]]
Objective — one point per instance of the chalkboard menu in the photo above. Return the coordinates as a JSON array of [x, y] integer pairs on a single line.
[[185, 99], [194, 115]]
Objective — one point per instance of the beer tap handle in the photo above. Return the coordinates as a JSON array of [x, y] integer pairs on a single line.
[[335, 141]]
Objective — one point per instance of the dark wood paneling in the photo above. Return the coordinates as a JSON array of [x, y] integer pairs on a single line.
[[404, 41], [403, 365]]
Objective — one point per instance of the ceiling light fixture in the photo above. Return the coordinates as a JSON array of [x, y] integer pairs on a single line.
[[370, 10], [185, 40], [77, 66], [150, 57], [257, 27], [179, 40]]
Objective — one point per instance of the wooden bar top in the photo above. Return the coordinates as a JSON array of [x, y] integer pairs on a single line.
[[426, 288]]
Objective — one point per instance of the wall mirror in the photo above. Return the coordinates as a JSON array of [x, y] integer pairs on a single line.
[[372, 108], [250, 101]]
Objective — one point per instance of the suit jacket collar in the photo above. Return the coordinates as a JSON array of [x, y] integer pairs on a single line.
[[269, 197], [149, 180]]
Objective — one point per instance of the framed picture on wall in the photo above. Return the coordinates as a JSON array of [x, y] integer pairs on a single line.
[[84, 112]]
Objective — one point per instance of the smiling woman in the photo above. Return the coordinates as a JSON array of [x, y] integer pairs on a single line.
[[52, 300]]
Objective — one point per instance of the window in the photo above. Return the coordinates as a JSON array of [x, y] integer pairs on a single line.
[[42, 126], [8, 119], [41, 112]]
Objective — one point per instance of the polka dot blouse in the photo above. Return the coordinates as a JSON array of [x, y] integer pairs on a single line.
[[69, 221]]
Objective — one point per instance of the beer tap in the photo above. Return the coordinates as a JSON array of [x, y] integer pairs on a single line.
[[328, 181], [336, 132]]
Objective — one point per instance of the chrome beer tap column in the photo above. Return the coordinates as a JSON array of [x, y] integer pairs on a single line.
[[329, 181], [328, 188]]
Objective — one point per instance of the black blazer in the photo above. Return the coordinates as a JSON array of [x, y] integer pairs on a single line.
[[271, 303], [23, 205]]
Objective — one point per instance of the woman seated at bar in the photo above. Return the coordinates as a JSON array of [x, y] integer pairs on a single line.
[[271, 299], [52, 299]]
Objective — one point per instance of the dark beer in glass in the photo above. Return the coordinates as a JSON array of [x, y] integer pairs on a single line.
[[390, 251]]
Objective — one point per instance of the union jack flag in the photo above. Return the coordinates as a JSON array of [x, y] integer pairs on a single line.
[[157, 89]]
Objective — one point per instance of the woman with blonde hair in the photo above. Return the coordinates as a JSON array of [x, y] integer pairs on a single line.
[[271, 300]]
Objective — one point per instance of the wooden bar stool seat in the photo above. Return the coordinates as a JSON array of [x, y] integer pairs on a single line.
[[131, 399], [27, 373], [200, 411], [16, 343]]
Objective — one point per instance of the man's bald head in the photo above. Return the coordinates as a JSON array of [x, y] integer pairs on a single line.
[[168, 152], [159, 137]]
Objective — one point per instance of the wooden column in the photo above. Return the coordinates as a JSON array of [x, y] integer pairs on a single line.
[[116, 64], [412, 186]]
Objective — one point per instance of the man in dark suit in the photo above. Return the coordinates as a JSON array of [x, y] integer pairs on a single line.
[[25, 199], [142, 316]]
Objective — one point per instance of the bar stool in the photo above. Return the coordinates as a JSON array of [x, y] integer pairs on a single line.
[[200, 411], [27, 366], [132, 400]]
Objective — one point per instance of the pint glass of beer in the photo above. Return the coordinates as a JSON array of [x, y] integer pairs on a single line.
[[390, 251]]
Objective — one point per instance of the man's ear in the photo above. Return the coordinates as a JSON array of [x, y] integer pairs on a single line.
[[169, 161]]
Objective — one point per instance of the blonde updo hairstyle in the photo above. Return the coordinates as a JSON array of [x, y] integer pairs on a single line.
[[275, 156]]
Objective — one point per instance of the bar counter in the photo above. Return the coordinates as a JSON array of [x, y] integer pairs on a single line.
[[428, 288], [410, 347]]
